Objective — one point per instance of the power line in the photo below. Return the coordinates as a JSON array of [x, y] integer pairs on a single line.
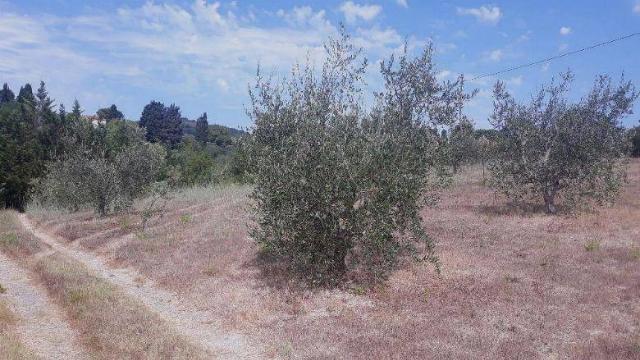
[[557, 56]]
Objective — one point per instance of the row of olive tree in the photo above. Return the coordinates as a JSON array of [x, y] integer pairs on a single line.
[[338, 187]]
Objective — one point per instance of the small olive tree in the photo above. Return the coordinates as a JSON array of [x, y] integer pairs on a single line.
[[104, 184], [462, 146], [552, 149], [338, 187]]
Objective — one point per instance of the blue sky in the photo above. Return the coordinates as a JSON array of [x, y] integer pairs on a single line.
[[202, 54]]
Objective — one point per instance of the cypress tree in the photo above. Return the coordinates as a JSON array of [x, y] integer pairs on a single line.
[[202, 129], [20, 156], [76, 111], [151, 119], [172, 126], [6, 95]]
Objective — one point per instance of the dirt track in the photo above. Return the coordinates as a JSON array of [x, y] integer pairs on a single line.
[[41, 326], [196, 325]]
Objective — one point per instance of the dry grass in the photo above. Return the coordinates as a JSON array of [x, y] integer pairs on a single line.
[[515, 283], [112, 326], [10, 347]]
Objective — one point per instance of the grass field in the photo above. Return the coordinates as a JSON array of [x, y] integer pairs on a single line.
[[515, 284]]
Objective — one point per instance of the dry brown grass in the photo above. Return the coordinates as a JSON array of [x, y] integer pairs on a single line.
[[515, 283], [10, 346], [112, 326]]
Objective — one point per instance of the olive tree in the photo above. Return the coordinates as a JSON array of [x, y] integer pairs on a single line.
[[554, 149], [104, 184], [462, 145], [339, 187]]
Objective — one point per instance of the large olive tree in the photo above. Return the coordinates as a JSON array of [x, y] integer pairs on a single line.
[[339, 187], [551, 148]]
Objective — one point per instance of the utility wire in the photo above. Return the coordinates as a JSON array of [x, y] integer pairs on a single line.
[[557, 56]]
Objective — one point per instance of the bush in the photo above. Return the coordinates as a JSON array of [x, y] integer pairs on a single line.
[[191, 164], [553, 149], [338, 188]]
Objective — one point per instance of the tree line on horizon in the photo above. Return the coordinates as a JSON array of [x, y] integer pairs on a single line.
[[37, 140]]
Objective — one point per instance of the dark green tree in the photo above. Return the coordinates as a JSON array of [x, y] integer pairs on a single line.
[[27, 102], [163, 124], [202, 129], [110, 113], [76, 111], [20, 156], [6, 95], [43, 104], [62, 113]]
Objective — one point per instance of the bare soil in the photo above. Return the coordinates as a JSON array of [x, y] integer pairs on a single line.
[[40, 326]]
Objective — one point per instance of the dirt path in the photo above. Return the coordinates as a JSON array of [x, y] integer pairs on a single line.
[[198, 326], [42, 327]]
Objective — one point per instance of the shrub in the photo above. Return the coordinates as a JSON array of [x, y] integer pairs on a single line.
[[553, 149], [338, 187]]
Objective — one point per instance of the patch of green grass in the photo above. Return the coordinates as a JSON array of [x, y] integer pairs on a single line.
[[635, 253], [125, 223], [592, 245], [9, 239], [359, 290], [185, 218]]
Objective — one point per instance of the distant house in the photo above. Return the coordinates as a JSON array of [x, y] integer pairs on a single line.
[[94, 120]]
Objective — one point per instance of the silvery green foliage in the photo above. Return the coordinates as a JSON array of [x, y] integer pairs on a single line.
[[339, 187], [103, 183], [462, 145], [553, 149]]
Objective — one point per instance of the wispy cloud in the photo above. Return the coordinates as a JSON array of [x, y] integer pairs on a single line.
[[402, 3], [565, 30], [485, 14], [173, 52], [352, 11], [636, 8], [495, 55]]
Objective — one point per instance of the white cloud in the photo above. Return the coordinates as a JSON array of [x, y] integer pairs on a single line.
[[485, 14], [636, 8], [565, 30], [402, 3], [352, 11], [495, 55], [181, 53]]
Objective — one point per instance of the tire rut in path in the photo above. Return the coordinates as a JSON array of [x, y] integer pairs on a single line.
[[198, 326], [41, 325]]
